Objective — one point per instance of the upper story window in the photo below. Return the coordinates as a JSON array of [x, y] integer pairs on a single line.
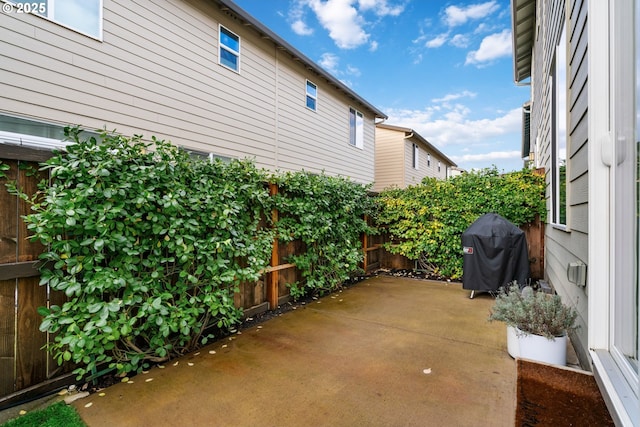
[[428, 159], [356, 128], [229, 51], [84, 16], [416, 154], [439, 166], [312, 95]]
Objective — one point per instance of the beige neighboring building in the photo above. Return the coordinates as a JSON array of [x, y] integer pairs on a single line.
[[580, 60], [205, 75], [404, 158]]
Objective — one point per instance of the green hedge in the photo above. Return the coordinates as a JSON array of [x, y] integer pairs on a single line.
[[426, 221], [150, 245]]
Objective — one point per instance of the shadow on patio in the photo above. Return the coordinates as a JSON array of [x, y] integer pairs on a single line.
[[386, 352]]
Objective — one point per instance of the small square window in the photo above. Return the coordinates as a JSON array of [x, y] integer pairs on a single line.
[[229, 52], [312, 95]]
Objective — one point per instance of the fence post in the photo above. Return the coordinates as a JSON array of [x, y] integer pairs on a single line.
[[272, 286], [365, 247]]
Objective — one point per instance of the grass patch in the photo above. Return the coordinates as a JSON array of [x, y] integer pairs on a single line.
[[57, 415]]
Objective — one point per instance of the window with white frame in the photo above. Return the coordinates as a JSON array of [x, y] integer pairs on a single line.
[[558, 83], [356, 128], [312, 95], [428, 160], [625, 319], [416, 156], [229, 49], [84, 16], [439, 166]]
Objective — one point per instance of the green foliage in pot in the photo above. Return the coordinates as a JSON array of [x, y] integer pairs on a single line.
[[532, 312], [426, 221], [149, 246]]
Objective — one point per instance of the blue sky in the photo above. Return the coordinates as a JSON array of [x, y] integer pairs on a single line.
[[442, 68]]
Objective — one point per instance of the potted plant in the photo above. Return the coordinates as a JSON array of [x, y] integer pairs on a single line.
[[537, 323]]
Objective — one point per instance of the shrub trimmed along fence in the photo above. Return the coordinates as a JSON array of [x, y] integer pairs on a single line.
[[177, 246]]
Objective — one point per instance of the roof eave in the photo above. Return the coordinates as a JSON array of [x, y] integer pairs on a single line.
[[523, 25]]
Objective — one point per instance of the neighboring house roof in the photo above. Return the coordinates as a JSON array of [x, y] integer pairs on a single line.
[[416, 135], [280, 43], [523, 16]]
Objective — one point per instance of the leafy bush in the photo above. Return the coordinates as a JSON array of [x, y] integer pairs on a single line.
[[327, 215], [426, 221], [148, 245], [533, 312]]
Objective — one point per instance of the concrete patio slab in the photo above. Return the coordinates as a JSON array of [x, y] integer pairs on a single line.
[[386, 352]]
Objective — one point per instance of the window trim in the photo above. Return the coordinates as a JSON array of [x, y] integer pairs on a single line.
[[222, 46], [416, 157], [558, 89], [311, 96], [356, 122], [49, 17], [428, 160]]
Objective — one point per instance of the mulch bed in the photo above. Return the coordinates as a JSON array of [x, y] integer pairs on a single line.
[[555, 396]]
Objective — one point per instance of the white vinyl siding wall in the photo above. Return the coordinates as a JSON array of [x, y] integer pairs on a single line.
[[157, 73]]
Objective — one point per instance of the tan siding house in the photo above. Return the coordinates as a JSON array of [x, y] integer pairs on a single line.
[[205, 75], [404, 158], [580, 59]]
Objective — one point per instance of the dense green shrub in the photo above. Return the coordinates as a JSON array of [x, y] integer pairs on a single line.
[[427, 220], [328, 215], [148, 245]]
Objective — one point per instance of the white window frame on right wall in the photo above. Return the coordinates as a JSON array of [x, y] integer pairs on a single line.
[[613, 205]]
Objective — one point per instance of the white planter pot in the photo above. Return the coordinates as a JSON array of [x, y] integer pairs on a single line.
[[541, 349], [513, 347]]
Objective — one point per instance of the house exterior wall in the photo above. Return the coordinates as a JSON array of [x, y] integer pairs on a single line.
[[564, 244], [390, 154], [156, 72], [426, 168], [394, 159], [602, 166]]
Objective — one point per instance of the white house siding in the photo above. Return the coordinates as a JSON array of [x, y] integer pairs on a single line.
[[426, 169], [389, 159], [563, 246], [394, 158], [319, 139], [156, 72]]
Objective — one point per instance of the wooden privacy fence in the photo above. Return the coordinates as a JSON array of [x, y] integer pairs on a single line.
[[23, 363], [25, 367]]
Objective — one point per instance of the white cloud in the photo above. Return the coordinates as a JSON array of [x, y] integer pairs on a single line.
[[492, 47], [342, 21], [381, 7], [300, 28], [471, 143], [460, 40], [455, 15], [454, 96], [353, 71], [437, 41], [329, 61], [451, 126], [485, 157], [373, 46]]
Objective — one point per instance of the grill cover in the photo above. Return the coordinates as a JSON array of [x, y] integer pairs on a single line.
[[495, 253]]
